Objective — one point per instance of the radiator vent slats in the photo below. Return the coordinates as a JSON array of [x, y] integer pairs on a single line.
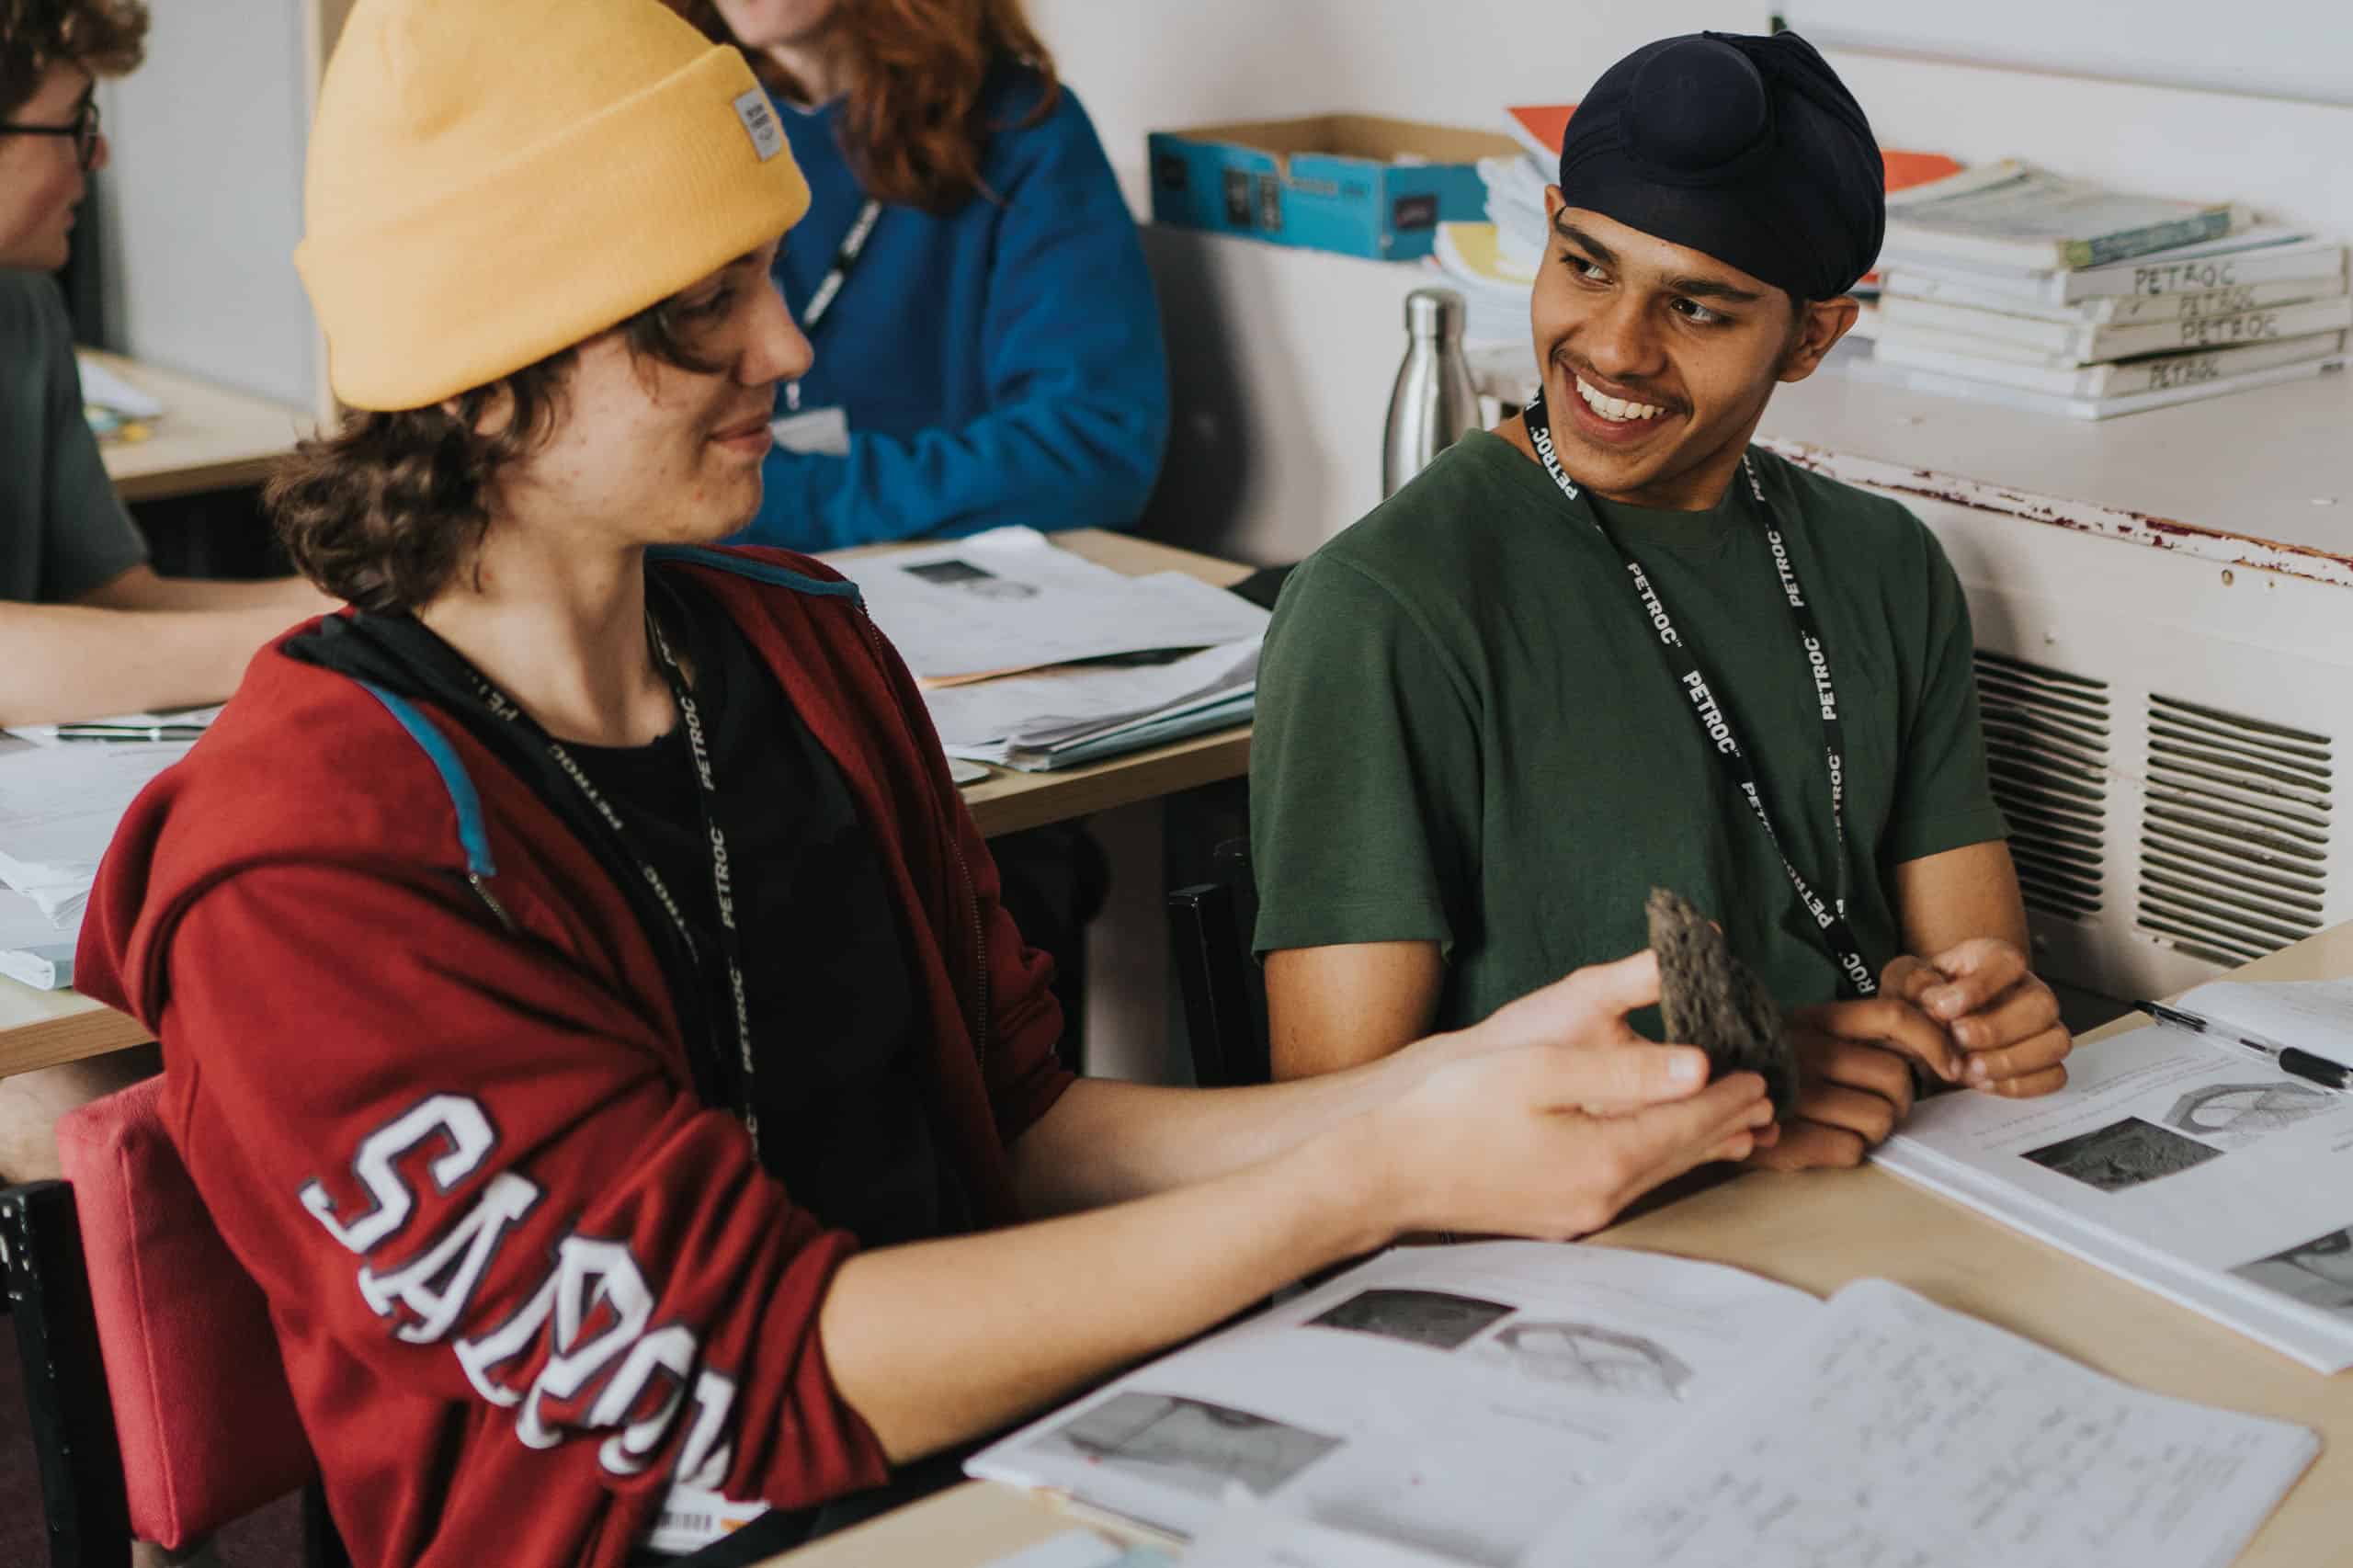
[[2047, 735], [2236, 822]]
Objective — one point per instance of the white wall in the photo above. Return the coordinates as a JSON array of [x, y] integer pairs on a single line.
[[1153, 64], [203, 197], [2298, 48]]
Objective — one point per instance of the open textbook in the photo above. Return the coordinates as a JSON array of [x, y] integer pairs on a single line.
[[1505, 1404], [2181, 1161]]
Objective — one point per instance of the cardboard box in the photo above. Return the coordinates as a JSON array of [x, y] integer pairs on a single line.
[[1353, 183]]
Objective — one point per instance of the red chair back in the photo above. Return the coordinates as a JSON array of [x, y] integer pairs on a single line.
[[206, 1423]]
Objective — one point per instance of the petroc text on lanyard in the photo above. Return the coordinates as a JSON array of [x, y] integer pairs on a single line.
[[1829, 919]]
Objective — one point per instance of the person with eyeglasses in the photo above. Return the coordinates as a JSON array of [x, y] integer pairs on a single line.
[[86, 626]]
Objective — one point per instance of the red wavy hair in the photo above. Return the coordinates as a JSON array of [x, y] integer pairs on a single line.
[[913, 127]]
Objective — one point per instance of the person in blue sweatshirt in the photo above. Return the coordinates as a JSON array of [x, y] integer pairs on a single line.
[[992, 354]]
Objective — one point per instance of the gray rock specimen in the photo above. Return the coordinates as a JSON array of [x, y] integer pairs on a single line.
[[1709, 998]]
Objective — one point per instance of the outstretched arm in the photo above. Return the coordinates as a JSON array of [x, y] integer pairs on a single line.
[[1544, 1120], [140, 641]]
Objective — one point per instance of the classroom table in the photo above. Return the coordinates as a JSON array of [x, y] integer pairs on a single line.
[[1818, 1229], [209, 438], [43, 1029]]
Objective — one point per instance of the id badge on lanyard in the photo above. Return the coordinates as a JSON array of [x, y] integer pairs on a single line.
[[1828, 918]]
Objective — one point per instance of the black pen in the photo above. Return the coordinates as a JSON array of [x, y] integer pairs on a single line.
[[2301, 1063], [129, 732]]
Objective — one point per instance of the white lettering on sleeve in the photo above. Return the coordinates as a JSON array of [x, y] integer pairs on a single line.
[[459, 1118], [469, 1247]]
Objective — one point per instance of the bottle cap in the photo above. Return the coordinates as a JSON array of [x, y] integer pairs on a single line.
[[1434, 312]]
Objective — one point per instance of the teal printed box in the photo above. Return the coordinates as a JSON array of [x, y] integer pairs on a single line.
[[1352, 183]]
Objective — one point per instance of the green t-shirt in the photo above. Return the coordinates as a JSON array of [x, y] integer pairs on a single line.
[[1467, 732], [63, 528]]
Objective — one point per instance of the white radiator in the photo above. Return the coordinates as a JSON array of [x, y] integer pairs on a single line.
[[2169, 735]]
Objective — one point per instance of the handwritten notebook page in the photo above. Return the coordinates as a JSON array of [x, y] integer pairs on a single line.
[[1898, 1435]]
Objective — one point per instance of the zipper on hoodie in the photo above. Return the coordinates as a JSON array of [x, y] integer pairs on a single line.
[[481, 890]]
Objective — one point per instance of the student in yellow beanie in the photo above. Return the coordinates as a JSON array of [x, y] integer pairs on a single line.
[[587, 1006]]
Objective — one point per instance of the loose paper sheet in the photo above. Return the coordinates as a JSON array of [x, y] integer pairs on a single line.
[[1008, 600], [1896, 1434]]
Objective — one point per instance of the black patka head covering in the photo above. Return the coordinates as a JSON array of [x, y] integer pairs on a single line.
[[1748, 149]]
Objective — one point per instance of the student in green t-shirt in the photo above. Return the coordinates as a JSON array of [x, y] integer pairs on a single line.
[[1534, 684]]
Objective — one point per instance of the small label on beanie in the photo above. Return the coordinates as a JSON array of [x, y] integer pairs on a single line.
[[760, 122]]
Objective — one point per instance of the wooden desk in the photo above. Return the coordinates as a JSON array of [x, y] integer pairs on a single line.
[[1818, 1231], [43, 1029], [1008, 801], [208, 439]]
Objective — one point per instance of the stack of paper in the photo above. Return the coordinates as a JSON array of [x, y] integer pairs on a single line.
[[34, 949], [1516, 1404], [1033, 657], [1492, 277], [1075, 713], [59, 808], [2011, 285]]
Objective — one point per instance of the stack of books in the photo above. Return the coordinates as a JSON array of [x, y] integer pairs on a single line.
[[1494, 263], [2014, 285]]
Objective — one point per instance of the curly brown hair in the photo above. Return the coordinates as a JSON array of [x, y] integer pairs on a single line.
[[107, 38], [388, 508], [913, 128]]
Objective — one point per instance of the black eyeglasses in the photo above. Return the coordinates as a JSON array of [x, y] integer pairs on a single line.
[[85, 132]]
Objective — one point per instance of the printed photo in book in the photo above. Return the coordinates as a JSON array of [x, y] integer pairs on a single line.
[[2184, 1161]]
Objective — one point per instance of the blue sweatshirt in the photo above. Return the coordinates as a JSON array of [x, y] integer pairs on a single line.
[[1001, 364]]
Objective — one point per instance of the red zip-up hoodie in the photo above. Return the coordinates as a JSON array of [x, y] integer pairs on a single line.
[[420, 1059]]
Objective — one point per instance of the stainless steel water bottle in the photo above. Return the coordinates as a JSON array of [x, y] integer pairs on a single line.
[[1433, 402]]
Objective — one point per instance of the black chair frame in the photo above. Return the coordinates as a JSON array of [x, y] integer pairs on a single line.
[[75, 1444], [1216, 975]]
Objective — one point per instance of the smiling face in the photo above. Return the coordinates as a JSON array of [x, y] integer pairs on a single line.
[[1658, 359], [40, 177], [644, 453]]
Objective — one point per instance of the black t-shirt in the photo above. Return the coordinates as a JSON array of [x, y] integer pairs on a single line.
[[838, 1026]]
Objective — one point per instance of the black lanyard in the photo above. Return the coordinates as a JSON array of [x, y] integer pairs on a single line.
[[1829, 919], [846, 256], [731, 943]]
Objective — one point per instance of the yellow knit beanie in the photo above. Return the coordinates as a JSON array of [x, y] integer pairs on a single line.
[[493, 180]]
